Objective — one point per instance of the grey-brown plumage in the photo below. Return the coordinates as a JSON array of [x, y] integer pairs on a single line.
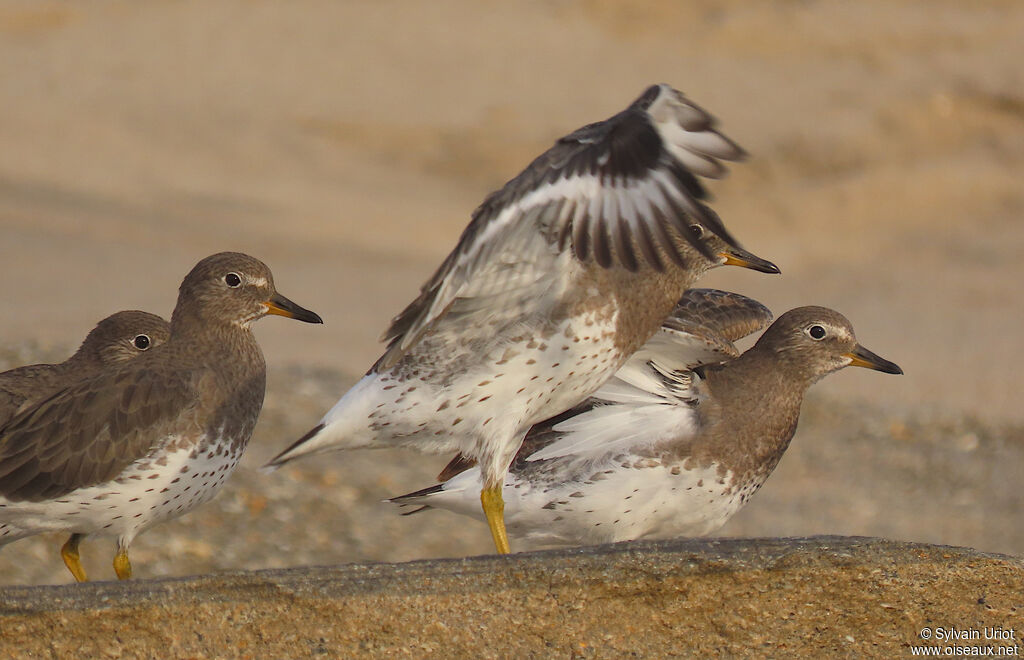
[[152, 438], [115, 339], [660, 452]]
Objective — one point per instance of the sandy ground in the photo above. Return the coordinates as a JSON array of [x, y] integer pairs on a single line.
[[346, 144]]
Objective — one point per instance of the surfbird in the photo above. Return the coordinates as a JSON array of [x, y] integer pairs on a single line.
[[661, 452], [115, 339], [560, 276], [154, 437]]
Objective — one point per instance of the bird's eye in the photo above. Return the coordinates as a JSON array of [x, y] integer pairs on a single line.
[[698, 230], [232, 280], [142, 342], [816, 332]]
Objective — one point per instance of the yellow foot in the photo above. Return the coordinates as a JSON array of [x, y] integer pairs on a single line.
[[69, 553], [122, 566], [494, 509]]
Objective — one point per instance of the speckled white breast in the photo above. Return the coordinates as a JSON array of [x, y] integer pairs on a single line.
[[149, 491], [616, 503], [524, 380]]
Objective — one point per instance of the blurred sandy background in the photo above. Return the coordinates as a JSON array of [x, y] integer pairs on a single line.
[[346, 143]]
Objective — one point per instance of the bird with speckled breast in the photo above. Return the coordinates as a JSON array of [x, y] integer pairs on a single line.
[[560, 276], [117, 338], [154, 437], [677, 442]]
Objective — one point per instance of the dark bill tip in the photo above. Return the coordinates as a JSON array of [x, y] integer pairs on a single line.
[[281, 306], [739, 257], [862, 357]]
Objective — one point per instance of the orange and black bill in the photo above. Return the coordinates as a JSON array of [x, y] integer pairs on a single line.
[[862, 357], [281, 306], [736, 256]]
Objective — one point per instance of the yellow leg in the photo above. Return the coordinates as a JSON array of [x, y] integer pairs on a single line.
[[69, 553], [494, 509], [122, 566]]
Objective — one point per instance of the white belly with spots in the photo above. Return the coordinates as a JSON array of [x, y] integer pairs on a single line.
[[483, 407], [632, 503], [145, 493], [615, 504]]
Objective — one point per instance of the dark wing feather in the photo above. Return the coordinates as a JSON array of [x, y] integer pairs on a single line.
[[457, 465], [25, 383], [623, 191], [9, 403], [723, 317], [88, 433], [543, 434]]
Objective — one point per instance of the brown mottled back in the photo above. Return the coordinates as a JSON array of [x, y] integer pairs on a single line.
[[115, 339]]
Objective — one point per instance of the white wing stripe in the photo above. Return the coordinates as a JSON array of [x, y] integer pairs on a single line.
[[627, 207]]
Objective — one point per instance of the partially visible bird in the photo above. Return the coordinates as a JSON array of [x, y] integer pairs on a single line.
[[115, 339], [560, 276], [664, 450], [149, 439]]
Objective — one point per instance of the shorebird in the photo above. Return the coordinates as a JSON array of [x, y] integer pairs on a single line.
[[115, 339], [659, 451], [560, 276], [154, 437]]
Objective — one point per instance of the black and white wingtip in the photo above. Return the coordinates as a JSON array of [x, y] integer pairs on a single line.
[[623, 191], [688, 132]]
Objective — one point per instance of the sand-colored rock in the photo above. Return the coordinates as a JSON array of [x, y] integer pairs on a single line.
[[814, 597]]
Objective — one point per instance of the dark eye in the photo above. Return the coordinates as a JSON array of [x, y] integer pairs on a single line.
[[141, 342], [816, 332], [232, 280], [698, 231]]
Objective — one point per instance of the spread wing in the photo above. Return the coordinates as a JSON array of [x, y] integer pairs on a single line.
[[623, 191], [88, 433]]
